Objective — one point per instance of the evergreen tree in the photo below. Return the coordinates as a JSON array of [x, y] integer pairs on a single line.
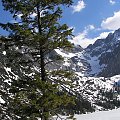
[[32, 91]]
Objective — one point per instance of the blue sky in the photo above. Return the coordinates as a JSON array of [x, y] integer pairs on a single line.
[[90, 19]]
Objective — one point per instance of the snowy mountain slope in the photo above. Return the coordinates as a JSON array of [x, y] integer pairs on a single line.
[[100, 59], [97, 68], [73, 60], [106, 52], [90, 88]]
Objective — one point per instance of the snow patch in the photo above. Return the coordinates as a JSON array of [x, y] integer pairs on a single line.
[[95, 66], [109, 50], [1, 100], [115, 78], [68, 55]]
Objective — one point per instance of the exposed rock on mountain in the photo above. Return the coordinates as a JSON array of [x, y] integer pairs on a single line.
[[107, 53], [100, 59]]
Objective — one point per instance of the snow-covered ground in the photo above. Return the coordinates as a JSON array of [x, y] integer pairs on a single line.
[[100, 115]]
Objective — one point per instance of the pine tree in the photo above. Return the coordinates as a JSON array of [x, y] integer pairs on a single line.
[[33, 91]]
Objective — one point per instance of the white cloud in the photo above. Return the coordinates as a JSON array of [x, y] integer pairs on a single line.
[[83, 40], [103, 35], [80, 5], [112, 23], [89, 27], [112, 2]]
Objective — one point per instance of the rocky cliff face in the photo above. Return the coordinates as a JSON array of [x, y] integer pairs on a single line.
[[100, 59], [107, 52]]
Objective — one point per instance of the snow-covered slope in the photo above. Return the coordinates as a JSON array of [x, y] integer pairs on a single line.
[[106, 54], [94, 68], [98, 115], [100, 59], [73, 60]]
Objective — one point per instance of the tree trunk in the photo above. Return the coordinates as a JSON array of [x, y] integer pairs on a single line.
[[42, 62]]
